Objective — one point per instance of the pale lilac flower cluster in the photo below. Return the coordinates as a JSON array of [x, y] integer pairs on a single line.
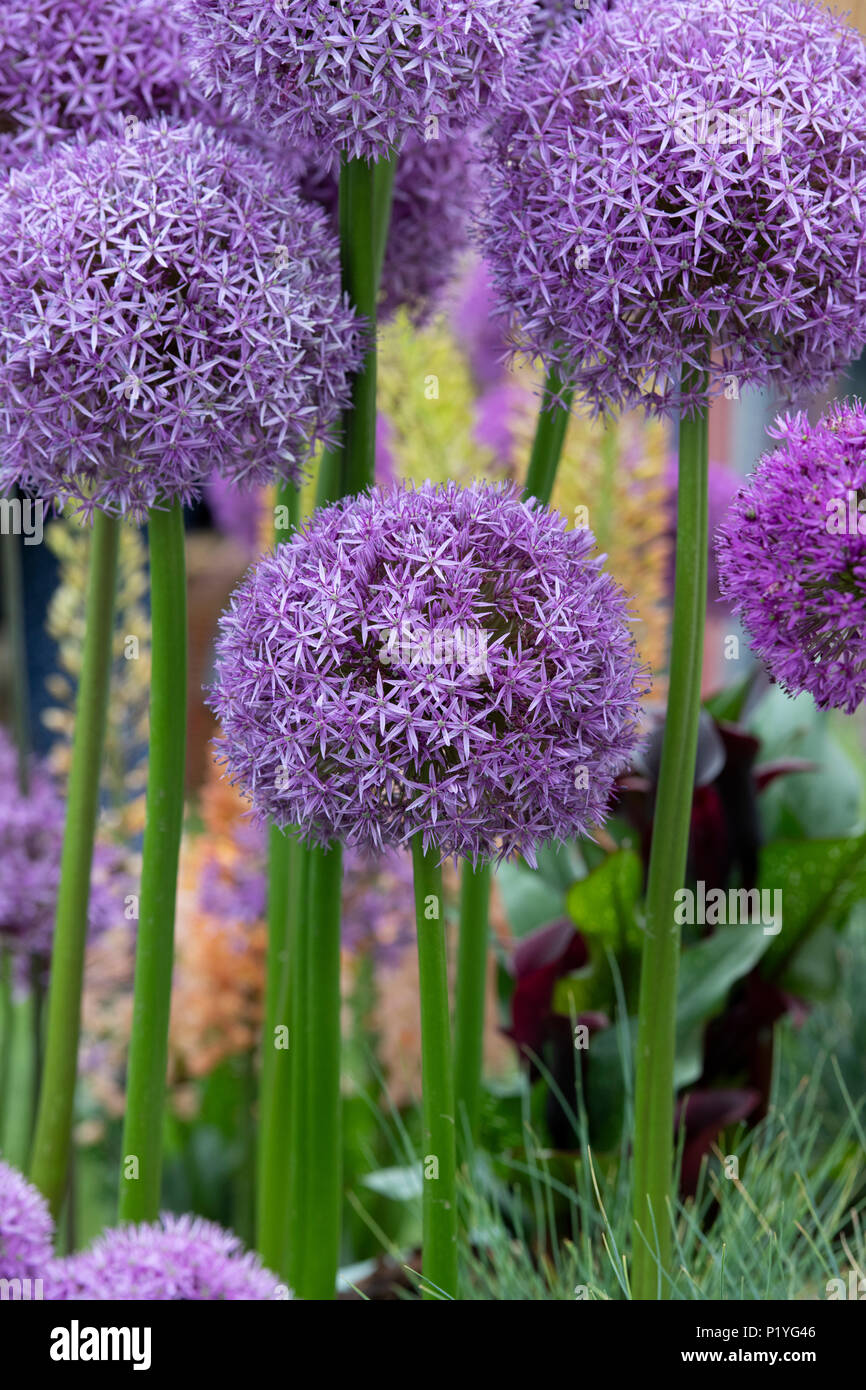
[[96, 66], [168, 305], [175, 1259], [26, 1228], [792, 556], [671, 176], [31, 840], [443, 661], [358, 76]]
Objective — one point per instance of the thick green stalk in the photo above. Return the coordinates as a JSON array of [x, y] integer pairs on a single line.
[[278, 1041], [439, 1161], [272, 1152], [51, 1144], [475, 884], [654, 1087], [320, 1041], [289, 1149], [549, 438], [13, 591], [360, 237], [330, 475], [141, 1159], [7, 1023], [471, 997]]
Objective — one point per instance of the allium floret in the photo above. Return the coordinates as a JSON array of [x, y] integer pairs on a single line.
[[168, 305], [451, 662], [178, 1258], [674, 175], [792, 556], [358, 76]]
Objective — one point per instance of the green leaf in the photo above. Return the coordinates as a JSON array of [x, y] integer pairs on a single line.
[[529, 900], [707, 972], [827, 802], [820, 882], [604, 904], [403, 1184]]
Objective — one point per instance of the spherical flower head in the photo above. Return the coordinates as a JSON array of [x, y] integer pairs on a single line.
[[673, 176], [358, 76], [792, 557], [168, 305], [175, 1259], [95, 66], [442, 661], [26, 1228]]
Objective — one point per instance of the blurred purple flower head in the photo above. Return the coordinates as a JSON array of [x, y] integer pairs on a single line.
[[677, 174], [480, 328], [31, 840], [26, 1228], [443, 661], [723, 484], [358, 76], [96, 66], [168, 305], [498, 413], [237, 514], [178, 1258], [792, 556]]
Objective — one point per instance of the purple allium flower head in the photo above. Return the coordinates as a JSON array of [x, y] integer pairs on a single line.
[[31, 840], [792, 556], [96, 66], [358, 76], [168, 305], [671, 174], [443, 661], [26, 1228], [175, 1259]]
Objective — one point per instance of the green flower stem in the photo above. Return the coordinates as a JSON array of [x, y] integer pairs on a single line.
[[549, 438], [471, 997], [439, 1161], [361, 240], [330, 476], [289, 1151], [654, 1087], [7, 1023], [51, 1144], [13, 590], [475, 884], [141, 1158], [319, 1041], [272, 1199], [384, 173], [272, 1202]]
